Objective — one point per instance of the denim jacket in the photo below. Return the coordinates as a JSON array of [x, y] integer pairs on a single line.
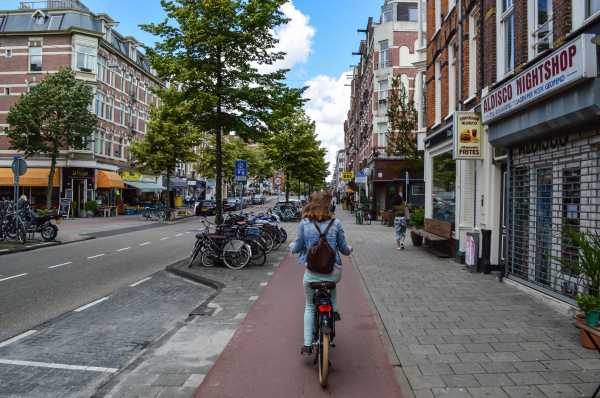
[[308, 236]]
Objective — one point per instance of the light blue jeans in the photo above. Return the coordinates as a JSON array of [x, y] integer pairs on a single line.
[[309, 306]]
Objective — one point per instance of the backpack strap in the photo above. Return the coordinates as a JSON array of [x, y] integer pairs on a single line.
[[323, 234], [329, 226]]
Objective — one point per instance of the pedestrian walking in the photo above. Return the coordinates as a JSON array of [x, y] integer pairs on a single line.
[[317, 220], [401, 225]]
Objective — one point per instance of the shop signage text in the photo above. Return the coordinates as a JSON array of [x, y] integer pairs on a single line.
[[467, 135], [572, 62], [347, 176]]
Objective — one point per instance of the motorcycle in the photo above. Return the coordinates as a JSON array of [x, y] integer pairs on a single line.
[[42, 224]]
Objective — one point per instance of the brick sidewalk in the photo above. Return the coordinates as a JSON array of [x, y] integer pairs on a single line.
[[458, 334]]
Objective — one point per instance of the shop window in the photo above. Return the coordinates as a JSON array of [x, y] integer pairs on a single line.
[[519, 252], [571, 212], [444, 188], [543, 230], [35, 57]]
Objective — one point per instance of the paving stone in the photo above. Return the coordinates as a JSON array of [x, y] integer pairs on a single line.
[[435, 369], [507, 347], [450, 348], [561, 364], [467, 368], [559, 390], [524, 392], [451, 393], [465, 380], [473, 357], [484, 338], [493, 380], [425, 382], [527, 378], [585, 389], [479, 347], [457, 339], [535, 346], [530, 366], [564, 377], [424, 393], [423, 349], [588, 364], [503, 357], [589, 375], [531, 355], [498, 367], [487, 392]]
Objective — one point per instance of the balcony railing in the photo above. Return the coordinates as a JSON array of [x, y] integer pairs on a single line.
[[53, 4]]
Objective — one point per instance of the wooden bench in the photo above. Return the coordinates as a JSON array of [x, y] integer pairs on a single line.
[[437, 236]]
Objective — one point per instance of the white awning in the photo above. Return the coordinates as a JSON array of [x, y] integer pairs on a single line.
[[145, 186]]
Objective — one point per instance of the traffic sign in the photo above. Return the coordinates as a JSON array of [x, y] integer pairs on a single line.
[[361, 178], [241, 170], [347, 176], [19, 166]]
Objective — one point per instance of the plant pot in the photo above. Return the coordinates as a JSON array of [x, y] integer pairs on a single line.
[[586, 342], [417, 240], [592, 318]]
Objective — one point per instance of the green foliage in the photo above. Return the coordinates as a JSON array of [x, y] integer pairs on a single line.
[[587, 264], [53, 116], [402, 115], [588, 303], [417, 217], [91, 205]]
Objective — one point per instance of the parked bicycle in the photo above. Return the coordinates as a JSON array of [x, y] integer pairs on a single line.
[[213, 248], [159, 213]]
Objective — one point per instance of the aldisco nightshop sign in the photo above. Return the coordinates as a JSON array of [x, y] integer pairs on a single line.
[[563, 67]]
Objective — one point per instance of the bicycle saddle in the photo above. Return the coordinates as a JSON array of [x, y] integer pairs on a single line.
[[322, 285]]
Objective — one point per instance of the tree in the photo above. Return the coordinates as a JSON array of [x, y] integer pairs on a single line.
[[402, 115], [211, 49], [169, 139], [52, 117]]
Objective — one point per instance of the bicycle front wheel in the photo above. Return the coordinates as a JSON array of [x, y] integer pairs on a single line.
[[259, 256], [237, 259], [323, 359]]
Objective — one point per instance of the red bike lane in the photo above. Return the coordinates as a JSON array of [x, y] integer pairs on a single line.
[[263, 357]]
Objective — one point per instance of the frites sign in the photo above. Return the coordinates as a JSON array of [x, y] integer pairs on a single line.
[[467, 136], [570, 63]]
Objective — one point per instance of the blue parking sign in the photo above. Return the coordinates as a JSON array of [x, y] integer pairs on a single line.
[[241, 169]]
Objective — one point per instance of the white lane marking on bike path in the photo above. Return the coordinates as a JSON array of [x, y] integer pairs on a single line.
[[217, 308], [252, 298], [17, 338], [269, 273], [264, 283], [240, 315], [123, 249], [60, 265], [96, 256], [85, 307], [165, 238], [145, 243], [140, 281], [178, 235], [13, 277]]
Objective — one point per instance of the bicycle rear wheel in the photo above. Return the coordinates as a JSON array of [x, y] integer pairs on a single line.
[[259, 256], [237, 259], [323, 353]]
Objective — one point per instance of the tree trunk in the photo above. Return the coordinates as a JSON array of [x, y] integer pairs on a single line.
[[51, 181], [219, 152], [167, 201], [287, 187]]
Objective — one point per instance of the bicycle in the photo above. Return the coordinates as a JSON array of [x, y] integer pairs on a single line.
[[324, 327], [212, 248]]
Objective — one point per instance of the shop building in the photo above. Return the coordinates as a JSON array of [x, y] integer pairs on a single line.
[[388, 51], [543, 114], [40, 37]]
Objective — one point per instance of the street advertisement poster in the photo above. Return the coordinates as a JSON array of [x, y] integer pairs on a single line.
[[467, 135], [65, 207]]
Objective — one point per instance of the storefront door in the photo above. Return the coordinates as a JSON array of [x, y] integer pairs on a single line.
[[543, 225], [503, 217], [79, 195]]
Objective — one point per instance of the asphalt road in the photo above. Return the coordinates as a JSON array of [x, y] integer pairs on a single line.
[[40, 285]]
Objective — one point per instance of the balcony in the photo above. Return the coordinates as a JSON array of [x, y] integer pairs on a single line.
[[53, 4]]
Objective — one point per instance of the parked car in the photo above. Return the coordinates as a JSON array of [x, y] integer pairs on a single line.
[[259, 200], [230, 204], [205, 207]]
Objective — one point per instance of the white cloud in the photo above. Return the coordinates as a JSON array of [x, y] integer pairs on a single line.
[[295, 39], [329, 101]]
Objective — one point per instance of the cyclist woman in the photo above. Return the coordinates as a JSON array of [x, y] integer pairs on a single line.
[[318, 211]]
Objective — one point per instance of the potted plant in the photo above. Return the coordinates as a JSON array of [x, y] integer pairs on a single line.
[[590, 305], [91, 207], [417, 218]]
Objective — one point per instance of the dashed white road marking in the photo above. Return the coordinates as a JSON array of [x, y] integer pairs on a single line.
[[145, 243], [264, 283], [240, 315], [165, 238], [140, 282], [3, 250], [252, 298], [13, 277], [269, 273], [217, 308], [178, 235], [60, 265], [17, 338], [96, 256], [85, 307], [57, 366], [123, 249]]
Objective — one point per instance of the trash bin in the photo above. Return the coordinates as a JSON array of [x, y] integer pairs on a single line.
[[472, 251], [486, 250]]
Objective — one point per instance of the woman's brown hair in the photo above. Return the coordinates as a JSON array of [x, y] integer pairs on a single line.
[[319, 207]]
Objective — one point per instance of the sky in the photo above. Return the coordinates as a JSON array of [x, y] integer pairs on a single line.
[[319, 41]]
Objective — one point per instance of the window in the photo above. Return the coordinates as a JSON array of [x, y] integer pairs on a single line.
[[407, 12], [591, 7], [383, 54], [443, 190], [387, 14], [8, 53], [100, 111], [55, 21], [110, 109], [540, 26], [86, 58], [383, 89], [98, 142], [382, 129], [119, 148], [438, 92], [6, 90], [108, 145], [506, 38], [571, 213], [437, 10], [35, 57], [472, 55], [451, 78], [451, 5]]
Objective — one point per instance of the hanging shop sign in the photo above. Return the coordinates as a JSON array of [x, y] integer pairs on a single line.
[[569, 64], [467, 135], [347, 176]]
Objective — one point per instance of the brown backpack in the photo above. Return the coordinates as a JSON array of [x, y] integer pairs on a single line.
[[321, 257]]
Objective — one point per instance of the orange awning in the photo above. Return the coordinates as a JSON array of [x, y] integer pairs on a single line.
[[33, 178], [109, 179]]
